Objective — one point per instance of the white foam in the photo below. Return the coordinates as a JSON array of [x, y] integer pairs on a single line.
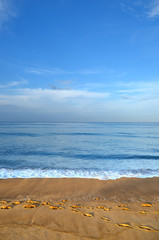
[[103, 175]]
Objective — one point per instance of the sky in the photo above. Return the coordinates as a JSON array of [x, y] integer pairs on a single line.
[[79, 60]]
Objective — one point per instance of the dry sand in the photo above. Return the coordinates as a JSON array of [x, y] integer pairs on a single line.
[[94, 209]]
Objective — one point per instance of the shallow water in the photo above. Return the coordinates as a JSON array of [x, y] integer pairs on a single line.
[[89, 150]]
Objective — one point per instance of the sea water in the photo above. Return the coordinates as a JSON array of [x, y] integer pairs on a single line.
[[83, 150]]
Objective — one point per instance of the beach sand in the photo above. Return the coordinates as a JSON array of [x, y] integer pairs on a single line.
[[79, 209]]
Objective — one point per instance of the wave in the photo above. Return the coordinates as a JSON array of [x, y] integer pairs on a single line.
[[18, 134], [49, 134], [74, 134], [66, 173], [69, 155]]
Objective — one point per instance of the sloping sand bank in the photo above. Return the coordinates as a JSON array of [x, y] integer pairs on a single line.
[[79, 209]]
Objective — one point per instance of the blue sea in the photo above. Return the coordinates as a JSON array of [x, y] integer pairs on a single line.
[[83, 150]]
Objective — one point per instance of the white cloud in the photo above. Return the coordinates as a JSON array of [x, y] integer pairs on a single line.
[[131, 90], [141, 8], [62, 93], [47, 98], [133, 101], [53, 71], [51, 104], [123, 101], [12, 84], [139, 91], [58, 71], [154, 9], [6, 11]]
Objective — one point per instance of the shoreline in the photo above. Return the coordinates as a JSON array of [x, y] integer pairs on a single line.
[[80, 173], [79, 209]]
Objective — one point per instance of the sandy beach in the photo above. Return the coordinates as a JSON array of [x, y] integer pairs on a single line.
[[74, 209]]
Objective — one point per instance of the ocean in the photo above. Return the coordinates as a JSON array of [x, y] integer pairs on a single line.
[[82, 150]]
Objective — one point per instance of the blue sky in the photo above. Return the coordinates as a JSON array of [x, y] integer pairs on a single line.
[[79, 60]]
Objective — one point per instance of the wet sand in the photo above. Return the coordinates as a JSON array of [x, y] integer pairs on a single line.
[[79, 209]]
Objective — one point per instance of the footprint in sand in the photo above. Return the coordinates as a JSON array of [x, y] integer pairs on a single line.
[[97, 198], [90, 207], [61, 208], [74, 210], [107, 209], [87, 215], [5, 207], [145, 227], [56, 208], [33, 202], [53, 207], [100, 207], [45, 203], [61, 203], [30, 206], [103, 208], [105, 219], [16, 203], [143, 212], [126, 209], [64, 200], [146, 205], [75, 206], [124, 225]]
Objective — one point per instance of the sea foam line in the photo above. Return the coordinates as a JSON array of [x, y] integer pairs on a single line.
[[56, 173]]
